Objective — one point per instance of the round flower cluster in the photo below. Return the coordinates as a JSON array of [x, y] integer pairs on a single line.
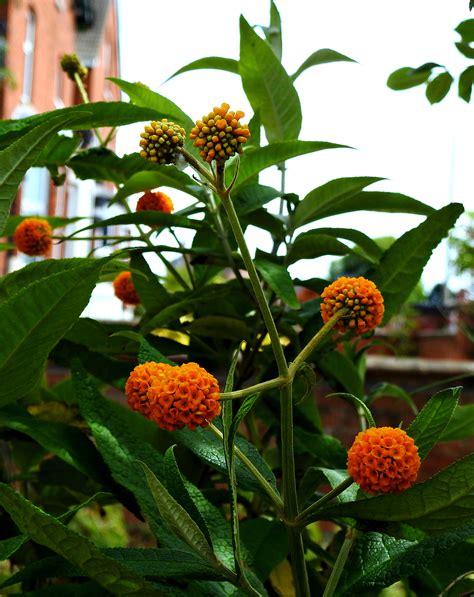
[[160, 141], [72, 66], [174, 397], [360, 296], [125, 290], [383, 460], [219, 135], [155, 201], [33, 237]]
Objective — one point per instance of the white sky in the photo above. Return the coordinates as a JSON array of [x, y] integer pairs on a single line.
[[423, 151]]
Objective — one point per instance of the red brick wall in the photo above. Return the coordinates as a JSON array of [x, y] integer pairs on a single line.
[[54, 37]]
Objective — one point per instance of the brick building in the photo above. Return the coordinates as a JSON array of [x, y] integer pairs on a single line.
[[34, 34]]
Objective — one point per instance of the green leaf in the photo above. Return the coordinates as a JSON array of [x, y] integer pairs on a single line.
[[18, 157], [326, 450], [267, 544], [407, 77], [331, 197], [358, 404], [343, 370], [152, 293], [256, 159], [177, 517], [143, 96], [268, 86], [438, 88], [466, 30], [279, 280], [273, 33], [394, 391], [67, 442], [83, 116], [9, 546], [444, 502], [209, 449], [378, 560], [311, 245], [210, 62], [54, 222], [150, 218], [176, 486], [36, 316], [266, 221], [57, 151], [461, 424], [219, 326], [466, 80], [369, 249], [252, 196], [160, 176], [402, 264], [430, 423], [465, 49], [48, 531], [322, 56]]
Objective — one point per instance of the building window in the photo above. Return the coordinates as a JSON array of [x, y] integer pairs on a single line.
[[29, 56]]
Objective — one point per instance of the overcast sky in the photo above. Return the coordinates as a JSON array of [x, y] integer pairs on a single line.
[[423, 151]]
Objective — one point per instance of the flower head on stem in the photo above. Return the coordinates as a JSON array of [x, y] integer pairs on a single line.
[[33, 237]]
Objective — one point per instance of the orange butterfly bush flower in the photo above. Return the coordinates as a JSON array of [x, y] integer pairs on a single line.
[[155, 201], [219, 135], [125, 290], [174, 397], [383, 460], [359, 295], [33, 237], [160, 141]]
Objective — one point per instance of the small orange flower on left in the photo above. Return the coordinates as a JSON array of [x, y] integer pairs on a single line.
[[125, 290], [33, 237]]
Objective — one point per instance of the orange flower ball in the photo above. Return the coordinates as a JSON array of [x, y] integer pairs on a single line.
[[33, 237], [125, 290], [174, 397], [155, 201], [360, 296], [220, 135], [383, 460], [139, 382]]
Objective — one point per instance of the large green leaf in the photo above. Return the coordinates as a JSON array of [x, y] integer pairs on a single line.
[[273, 33], [20, 155], [407, 77], [159, 176], [251, 197], [369, 249], [378, 560], [430, 423], [9, 546], [444, 502], [466, 80], [36, 316], [83, 116], [210, 62], [268, 86], [149, 218], [267, 544], [47, 530], [402, 264], [311, 245], [461, 424], [438, 88], [153, 295], [279, 280], [69, 443], [322, 56], [141, 95], [344, 195], [257, 159]]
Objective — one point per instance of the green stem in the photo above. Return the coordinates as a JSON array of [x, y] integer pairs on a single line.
[[315, 341], [259, 387], [185, 259], [301, 518], [85, 99], [194, 163], [340, 563], [271, 493], [290, 499]]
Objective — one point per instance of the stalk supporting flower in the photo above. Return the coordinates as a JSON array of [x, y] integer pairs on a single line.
[[33, 236]]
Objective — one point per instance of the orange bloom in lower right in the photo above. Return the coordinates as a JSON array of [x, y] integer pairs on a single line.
[[383, 460]]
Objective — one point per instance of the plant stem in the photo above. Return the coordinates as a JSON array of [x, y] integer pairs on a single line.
[[185, 259], [340, 563], [301, 518], [290, 499], [271, 493], [259, 387], [85, 99], [315, 340]]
